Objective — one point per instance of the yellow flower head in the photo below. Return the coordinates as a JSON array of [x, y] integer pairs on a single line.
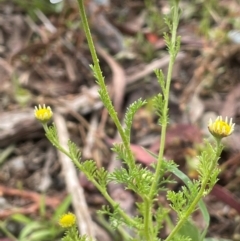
[[67, 220], [43, 114], [220, 128]]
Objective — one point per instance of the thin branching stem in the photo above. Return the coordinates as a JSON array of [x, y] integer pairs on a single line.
[[96, 184], [98, 74], [200, 194], [166, 98], [173, 53]]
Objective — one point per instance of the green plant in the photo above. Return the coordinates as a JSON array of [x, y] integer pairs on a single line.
[[147, 184], [154, 20], [145, 48], [210, 13], [44, 229], [20, 94], [32, 6]]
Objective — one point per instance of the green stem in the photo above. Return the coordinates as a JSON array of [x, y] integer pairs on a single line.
[[166, 98], [98, 73], [200, 194], [127, 219], [56, 144], [173, 53], [148, 231], [96, 184]]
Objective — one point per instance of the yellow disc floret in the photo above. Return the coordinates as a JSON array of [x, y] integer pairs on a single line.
[[67, 220], [220, 128], [43, 114]]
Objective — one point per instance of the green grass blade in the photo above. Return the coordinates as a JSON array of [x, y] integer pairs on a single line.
[[62, 208], [28, 229]]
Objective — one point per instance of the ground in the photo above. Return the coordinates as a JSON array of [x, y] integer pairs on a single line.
[[44, 59]]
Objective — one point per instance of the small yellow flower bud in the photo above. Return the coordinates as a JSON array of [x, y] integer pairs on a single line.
[[43, 114], [67, 220], [220, 128]]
